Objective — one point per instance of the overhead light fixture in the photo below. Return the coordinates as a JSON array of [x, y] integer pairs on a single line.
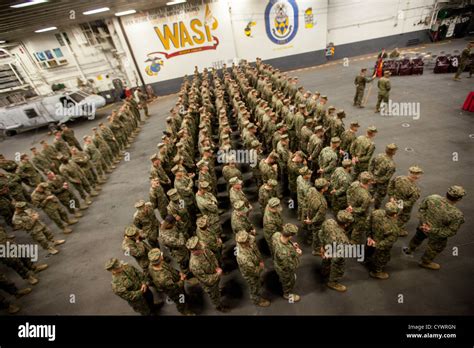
[[97, 10], [45, 29], [175, 2], [124, 13], [29, 3]]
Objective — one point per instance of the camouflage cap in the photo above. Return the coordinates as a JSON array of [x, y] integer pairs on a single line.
[[176, 169], [343, 216], [251, 125], [387, 73], [202, 221], [274, 202], [341, 113], [391, 147], [335, 140], [235, 181], [415, 170], [154, 157], [154, 255], [365, 177], [305, 171], [346, 163], [111, 264], [192, 243], [290, 229], [309, 120], [20, 205], [173, 193], [160, 145], [355, 124], [317, 93], [320, 183], [177, 158], [140, 203], [301, 106], [284, 136], [240, 206], [280, 125], [131, 230], [241, 236], [392, 208], [456, 191], [318, 129], [201, 163], [332, 108], [204, 184], [43, 184], [372, 129], [272, 182], [324, 97], [254, 144]]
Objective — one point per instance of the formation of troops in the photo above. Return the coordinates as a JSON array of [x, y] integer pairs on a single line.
[[60, 180], [328, 176]]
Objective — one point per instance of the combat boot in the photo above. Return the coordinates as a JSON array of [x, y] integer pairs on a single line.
[[263, 302], [403, 233], [22, 292], [59, 242], [72, 221], [39, 268], [379, 275], [94, 193], [67, 230], [292, 297], [77, 214], [113, 167], [337, 286], [430, 265], [32, 280], [13, 309], [97, 188]]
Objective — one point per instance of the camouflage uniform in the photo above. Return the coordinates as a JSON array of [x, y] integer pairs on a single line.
[[331, 232], [68, 136], [360, 200], [28, 174], [145, 219], [286, 260], [65, 195], [340, 181], [382, 167], [362, 148], [52, 207], [272, 222], [159, 200], [39, 231], [317, 208], [403, 189], [133, 245], [175, 241]]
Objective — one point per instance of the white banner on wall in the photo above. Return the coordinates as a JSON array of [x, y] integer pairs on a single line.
[[168, 42]]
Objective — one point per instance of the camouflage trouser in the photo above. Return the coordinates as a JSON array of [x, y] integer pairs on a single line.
[[213, 292], [43, 237], [181, 256], [257, 175], [379, 259], [19, 194], [434, 247], [114, 147], [314, 229], [360, 167], [268, 234], [69, 200], [58, 215], [74, 143], [359, 96], [98, 167], [301, 210], [461, 68], [381, 98], [144, 304], [359, 229], [6, 209], [379, 191], [404, 216], [82, 188], [254, 283], [23, 266], [338, 203], [9, 287], [287, 280], [107, 155], [293, 140], [334, 267], [214, 224]]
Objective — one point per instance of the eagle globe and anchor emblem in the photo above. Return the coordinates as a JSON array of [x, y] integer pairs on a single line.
[[281, 20]]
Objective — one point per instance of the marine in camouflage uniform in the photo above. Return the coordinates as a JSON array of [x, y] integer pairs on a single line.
[[74, 175], [158, 172], [440, 219], [6, 207], [251, 266], [60, 188], [405, 192], [348, 136], [21, 265], [87, 168], [104, 148], [286, 258], [133, 244], [236, 193], [95, 157], [464, 60], [384, 90], [177, 208], [175, 241], [316, 212], [240, 218], [340, 180], [158, 197], [131, 285], [329, 158], [295, 163], [28, 173], [168, 280], [360, 82], [40, 161], [68, 135], [303, 185], [203, 264], [43, 198], [265, 192], [382, 167], [208, 206], [209, 238], [384, 231], [60, 145], [272, 221], [15, 188], [359, 201], [334, 231], [144, 218], [29, 220], [362, 149]]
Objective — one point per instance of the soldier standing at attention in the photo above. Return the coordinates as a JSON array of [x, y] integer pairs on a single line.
[[203, 264], [334, 231], [340, 181], [272, 221], [130, 284], [158, 197], [382, 167], [68, 135], [405, 192], [383, 233], [362, 149], [251, 266], [286, 258], [465, 54], [384, 90], [317, 208], [145, 219], [360, 83], [133, 245], [359, 200], [440, 219]]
